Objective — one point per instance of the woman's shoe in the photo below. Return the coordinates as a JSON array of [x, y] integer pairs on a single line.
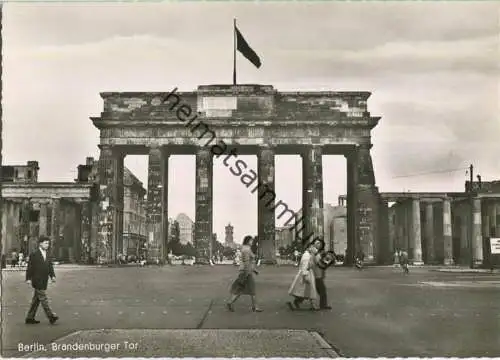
[[256, 309], [230, 307]]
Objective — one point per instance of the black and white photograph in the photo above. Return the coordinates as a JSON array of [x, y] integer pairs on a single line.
[[250, 179]]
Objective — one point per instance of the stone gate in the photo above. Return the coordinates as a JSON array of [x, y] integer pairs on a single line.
[[224, 121]]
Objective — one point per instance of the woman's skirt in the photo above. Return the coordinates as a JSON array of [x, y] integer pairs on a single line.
[[244, 284]]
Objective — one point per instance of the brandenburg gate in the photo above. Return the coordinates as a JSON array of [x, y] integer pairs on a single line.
[[224, 121]]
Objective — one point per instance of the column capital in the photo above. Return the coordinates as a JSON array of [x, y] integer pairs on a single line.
[[159, 151], [110, 151], [204, 152], [266, 147], [305, 150], [364, 146]]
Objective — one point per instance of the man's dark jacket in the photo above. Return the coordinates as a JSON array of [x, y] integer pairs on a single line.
[[39, 270]]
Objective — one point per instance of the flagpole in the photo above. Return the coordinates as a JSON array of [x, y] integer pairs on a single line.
[[234, 51]]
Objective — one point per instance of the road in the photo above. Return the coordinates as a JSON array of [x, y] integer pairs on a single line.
[[376, 312]]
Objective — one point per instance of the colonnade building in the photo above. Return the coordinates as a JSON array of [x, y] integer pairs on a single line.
[[446, 228]]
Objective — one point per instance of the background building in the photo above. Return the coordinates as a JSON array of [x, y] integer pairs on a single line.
[[133, 240], [20, 173], [186, 228], [134, 215], [284, 237], [229, 236], [56, 209], [338, 230]]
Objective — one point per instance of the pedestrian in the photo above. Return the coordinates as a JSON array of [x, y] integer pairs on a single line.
[[14, 258], [303, 286], [245, 282], [359, 259], [255, 249], [396, 258], [39, 269], [322, 260], [403, 261]]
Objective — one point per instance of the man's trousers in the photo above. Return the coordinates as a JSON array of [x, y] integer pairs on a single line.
[[39, 297]]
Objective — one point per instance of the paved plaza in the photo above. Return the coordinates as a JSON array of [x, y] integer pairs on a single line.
[[179, 311]]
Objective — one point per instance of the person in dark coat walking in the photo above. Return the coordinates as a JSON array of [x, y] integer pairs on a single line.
[[39, 270]]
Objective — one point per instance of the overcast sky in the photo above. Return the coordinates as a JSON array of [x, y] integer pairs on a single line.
[[432, 69]]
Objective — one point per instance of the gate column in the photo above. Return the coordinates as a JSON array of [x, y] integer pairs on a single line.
[[55, 225], [312, 195], [447, 232], [477, 236], [429, 232], [416, 232], [266, 208], [204, 204], [111, 182], [157, 204], [352, 178], [367, 204]]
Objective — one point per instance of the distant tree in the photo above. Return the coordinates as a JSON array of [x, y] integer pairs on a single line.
[[174, 239]]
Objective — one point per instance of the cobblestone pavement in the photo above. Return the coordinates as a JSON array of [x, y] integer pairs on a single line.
[[376, 311]]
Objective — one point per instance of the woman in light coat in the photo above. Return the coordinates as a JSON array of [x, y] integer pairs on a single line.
[[303, 286]]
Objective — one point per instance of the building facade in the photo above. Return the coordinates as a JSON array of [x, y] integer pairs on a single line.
[[134, 237], [284, 237], [134, 215], [20, 174], [186, 226], [56, 209], [338, 230], [443, 228]]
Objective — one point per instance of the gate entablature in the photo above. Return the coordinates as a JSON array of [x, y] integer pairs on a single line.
[[236, 117]]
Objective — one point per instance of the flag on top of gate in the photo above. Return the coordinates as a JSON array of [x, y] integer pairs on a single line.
[[245, 49], [242, 46]]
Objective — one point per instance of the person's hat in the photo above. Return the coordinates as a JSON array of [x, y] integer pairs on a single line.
[[317, 239], [42, 239]]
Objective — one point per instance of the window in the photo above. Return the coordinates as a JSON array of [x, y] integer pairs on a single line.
[[30, 173]]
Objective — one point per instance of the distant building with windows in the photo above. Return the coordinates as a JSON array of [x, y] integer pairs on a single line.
[[20, 173], [186, 229], [31, 209], [134, 207], [284, 237]]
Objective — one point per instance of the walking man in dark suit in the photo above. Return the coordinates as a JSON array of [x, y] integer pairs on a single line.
[[39, 270]]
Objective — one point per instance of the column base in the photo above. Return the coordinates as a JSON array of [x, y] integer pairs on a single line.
[[418, 263], [202, 261], [370, 261], [449, 262], [478, 263]]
